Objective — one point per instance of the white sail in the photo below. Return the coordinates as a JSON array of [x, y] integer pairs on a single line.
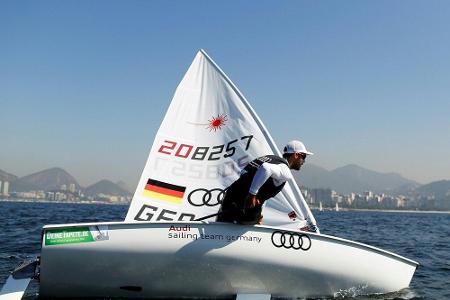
[[209, 133]]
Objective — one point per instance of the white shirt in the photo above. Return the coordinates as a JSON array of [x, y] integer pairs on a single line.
[[280, 173]]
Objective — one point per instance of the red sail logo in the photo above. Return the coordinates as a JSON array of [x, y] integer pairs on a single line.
[[216, 123]]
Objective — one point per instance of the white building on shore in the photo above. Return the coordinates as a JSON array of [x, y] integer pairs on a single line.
[[5, 188]]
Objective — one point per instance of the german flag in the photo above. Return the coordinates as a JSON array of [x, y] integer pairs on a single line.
[[164, 191]]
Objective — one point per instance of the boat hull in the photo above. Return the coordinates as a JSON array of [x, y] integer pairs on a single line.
[[171, 260]]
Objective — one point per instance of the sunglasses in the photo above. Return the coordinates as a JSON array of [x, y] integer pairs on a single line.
[[303, 155]]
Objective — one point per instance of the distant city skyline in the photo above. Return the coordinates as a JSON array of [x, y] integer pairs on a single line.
[[85, 85]]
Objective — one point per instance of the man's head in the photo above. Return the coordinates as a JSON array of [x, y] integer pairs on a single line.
[[295, 153]]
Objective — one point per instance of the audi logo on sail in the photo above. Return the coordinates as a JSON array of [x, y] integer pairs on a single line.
[[290, 240], [205, 197]]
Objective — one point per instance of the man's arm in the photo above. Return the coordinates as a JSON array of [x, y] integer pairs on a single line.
[[264, 172]]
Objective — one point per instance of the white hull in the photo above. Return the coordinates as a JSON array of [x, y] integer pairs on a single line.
[[213, 260]]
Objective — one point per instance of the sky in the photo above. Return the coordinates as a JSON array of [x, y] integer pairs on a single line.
[[84, 85]]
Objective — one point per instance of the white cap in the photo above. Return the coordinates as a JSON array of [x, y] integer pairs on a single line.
[[296, 147]]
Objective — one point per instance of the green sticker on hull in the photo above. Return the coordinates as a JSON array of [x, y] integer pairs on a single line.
[[68, 236]]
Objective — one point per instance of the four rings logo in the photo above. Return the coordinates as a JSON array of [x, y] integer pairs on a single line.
[[291, 240], [202, 197]]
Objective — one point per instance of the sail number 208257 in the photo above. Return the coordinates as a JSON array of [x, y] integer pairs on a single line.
[[201, 153]]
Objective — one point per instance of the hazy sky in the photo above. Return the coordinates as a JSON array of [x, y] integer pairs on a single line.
[[84, 85]]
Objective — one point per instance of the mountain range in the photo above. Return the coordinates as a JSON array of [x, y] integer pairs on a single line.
[[47, 180], [353, 178], [52, 179], [106, 187], [344, 180], [439, 189], [4, 176]]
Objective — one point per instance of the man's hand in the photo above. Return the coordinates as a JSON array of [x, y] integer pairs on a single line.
[[251, 201], [260, 221]]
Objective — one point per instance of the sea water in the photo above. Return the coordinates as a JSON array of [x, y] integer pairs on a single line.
[[423, 237]]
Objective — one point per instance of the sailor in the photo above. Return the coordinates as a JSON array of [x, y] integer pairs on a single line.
[[260, 180]]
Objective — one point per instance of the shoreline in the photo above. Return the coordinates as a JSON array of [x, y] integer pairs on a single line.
[[62, 202], [315, 210], [388, 210]]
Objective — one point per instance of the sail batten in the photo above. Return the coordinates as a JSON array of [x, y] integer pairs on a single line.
[[209, 133]]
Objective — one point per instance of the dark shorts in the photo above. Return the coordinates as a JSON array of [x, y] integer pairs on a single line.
[[232, 210]]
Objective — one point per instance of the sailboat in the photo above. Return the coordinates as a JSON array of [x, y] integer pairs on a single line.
[[209, 133], [320, 206], [337, 207]]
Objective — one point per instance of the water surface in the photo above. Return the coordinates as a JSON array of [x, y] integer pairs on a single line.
[[423, 237]]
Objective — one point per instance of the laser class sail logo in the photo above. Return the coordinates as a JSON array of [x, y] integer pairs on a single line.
[[216, 123], [291, 240]]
